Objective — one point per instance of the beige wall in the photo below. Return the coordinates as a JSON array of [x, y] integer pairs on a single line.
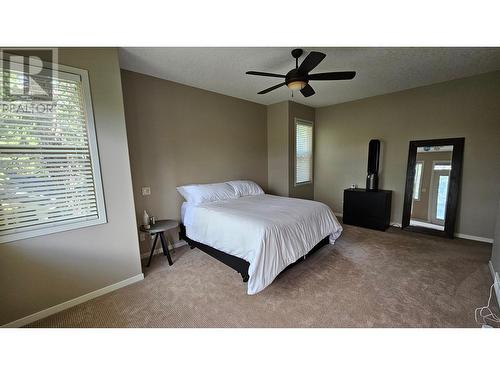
[[278, 148], [300, 111], [281, 148], [180, 135], [461, 108], [420, 208], [41, 272]]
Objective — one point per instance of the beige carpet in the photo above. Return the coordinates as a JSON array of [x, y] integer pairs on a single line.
[[367, 279]]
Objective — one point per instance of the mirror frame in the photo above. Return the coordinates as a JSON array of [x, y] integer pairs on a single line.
[[453, 187]]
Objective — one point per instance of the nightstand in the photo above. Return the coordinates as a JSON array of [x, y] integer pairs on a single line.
[[158, 230]]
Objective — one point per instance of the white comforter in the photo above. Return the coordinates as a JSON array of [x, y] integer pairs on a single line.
[[268, 231]]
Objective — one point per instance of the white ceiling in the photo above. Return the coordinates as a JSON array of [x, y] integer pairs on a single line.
[[379, 70]]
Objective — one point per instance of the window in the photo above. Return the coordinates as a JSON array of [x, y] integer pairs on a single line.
[[417, 182], [49, 167], [441, 197], [442, 167], [303, 151]]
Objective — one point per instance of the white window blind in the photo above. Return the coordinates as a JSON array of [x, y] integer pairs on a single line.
[[49, 168], [303, 151]]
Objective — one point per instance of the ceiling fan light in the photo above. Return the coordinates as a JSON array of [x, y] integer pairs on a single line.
[[296, 85]]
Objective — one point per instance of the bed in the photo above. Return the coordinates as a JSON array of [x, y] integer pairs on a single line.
[[259, 235]]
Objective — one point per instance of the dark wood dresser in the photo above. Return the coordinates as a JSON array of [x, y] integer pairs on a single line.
[[369, 209]]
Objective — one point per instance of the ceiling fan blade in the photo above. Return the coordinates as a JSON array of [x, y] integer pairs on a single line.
[[331, 76], [271, 88], [311, 61], [266, 74], [307, 91]]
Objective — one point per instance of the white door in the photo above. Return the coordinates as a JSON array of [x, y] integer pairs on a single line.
[[438, 194]]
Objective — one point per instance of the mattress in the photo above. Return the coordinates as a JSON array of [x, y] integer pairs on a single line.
[[268, 231]]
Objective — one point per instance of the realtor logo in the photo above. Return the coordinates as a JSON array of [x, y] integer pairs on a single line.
[[27, 74]]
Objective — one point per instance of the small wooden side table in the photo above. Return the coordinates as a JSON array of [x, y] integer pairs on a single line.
[[158, 230]]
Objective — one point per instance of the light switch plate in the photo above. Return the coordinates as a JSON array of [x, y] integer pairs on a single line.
[[146, 190]]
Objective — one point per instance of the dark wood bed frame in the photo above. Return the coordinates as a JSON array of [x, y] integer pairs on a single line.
[[236, 263]]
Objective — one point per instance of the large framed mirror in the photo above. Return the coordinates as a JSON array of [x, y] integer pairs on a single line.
[[433, 185]]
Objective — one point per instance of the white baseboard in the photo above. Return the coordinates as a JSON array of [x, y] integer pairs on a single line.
[[159, 250], [73, 302], [474, 238], [458, 235], [496, 280]]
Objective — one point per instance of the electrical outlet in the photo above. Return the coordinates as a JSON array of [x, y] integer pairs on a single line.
[[146, 190]]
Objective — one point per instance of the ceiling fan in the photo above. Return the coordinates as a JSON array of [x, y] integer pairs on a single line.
[[298, 78]]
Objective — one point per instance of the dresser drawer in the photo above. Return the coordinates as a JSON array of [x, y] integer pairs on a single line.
[[367, 208]]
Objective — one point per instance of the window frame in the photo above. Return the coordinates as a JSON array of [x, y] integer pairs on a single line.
[[311, 124], [77, 223], [431, 183]]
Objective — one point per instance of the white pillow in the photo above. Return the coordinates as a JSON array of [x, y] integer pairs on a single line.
[[246, 187], [196, 194]]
